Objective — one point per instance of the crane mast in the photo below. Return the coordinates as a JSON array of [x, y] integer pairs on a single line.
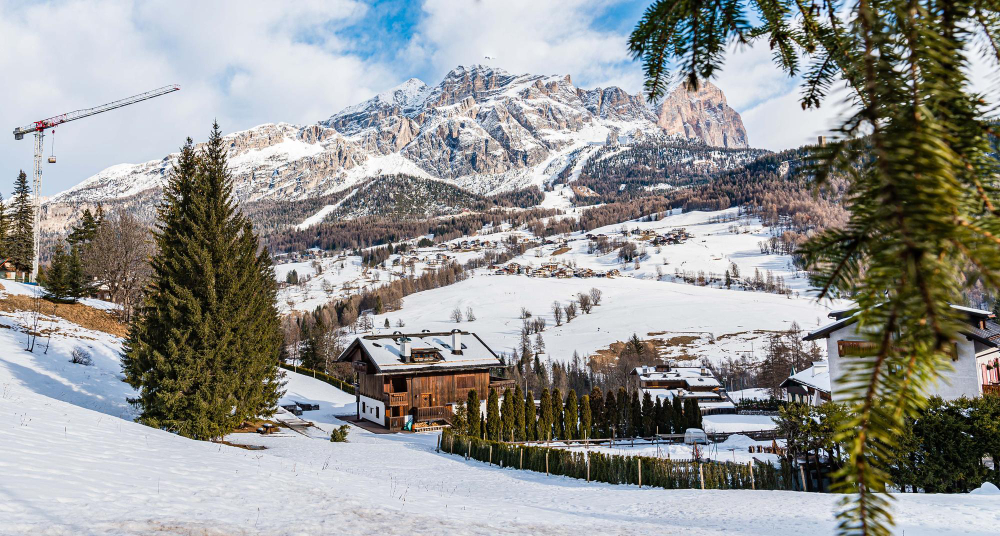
[[38, 129]]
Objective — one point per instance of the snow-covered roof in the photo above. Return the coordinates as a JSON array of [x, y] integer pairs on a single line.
[[816, 376], [693, 376], [990, 335], [385, 352]]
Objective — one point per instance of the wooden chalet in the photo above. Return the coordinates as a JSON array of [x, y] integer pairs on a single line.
[[411, 380]]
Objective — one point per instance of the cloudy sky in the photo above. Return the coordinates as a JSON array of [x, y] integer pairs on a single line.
[[246, 63]]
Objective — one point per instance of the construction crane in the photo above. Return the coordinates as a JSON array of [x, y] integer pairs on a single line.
[[38, 128]]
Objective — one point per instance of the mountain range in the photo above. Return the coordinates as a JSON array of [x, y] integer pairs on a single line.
[[481, 128]]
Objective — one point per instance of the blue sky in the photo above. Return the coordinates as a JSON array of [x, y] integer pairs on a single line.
[[253, 62]]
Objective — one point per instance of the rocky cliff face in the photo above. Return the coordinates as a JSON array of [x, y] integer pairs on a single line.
[[702, 114], [480, 128]]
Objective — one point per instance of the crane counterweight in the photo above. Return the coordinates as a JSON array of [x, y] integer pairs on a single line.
[[38, 129]]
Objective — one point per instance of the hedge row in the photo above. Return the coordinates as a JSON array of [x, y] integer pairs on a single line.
[[618, 469], [322, 376]]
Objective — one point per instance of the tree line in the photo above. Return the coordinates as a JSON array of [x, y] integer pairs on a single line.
[[621, 414]]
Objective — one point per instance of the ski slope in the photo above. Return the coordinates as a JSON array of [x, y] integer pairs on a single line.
[[73, 463]]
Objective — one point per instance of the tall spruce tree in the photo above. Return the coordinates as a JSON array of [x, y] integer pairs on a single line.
[[635, 415], [530, 417], [571, 416], [545, 417], [597, 413], [472, 403], [586, 418], [56, 276], [493, 426], [518, 408], [203, 350], [507, 415], [648, 415], [3, 231], [21, 240], [557, 414], [612, 428]]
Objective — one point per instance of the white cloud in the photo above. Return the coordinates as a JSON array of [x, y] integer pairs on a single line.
[[243, 63]]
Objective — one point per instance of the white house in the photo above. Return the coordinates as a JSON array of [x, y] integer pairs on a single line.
[[975, 361], [811, 386], [669, 381]]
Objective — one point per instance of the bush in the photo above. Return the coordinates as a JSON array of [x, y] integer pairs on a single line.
[[81, 357], [339, 435]]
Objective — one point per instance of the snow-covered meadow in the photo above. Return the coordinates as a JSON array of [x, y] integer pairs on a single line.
[[73, 462]]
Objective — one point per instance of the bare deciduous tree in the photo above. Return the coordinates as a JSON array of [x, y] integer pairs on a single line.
[[595, 296], [570, 311], [118, 258], [557, 312], [585, 303], [456, 315], [470, 315]]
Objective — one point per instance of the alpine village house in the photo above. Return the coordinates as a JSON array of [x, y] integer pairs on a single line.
[[411, 381], [975, 359]]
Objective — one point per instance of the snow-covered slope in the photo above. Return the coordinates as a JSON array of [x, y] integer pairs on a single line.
[[72, 465]]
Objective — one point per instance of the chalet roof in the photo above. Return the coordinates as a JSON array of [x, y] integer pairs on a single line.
[[385, 353], [990, 335], [816, 376], [692, 376]]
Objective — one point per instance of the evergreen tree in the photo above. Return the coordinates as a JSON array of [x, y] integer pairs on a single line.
[[612, 429], [530, 417], [586, 418], [3, 231], [482, 426], [507, 415], [518, 408], [472, 403], [79, 286], [558, 428], [661, 415], [545, 419], [624, 412], [56, 279], [600, 425], [493, 425], [21, 248], [679, 423], [84, 231], [649, 420], [571, 416], [635, 415], [203, 350]]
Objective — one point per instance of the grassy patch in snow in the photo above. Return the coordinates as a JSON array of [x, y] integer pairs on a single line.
[[77, 313]]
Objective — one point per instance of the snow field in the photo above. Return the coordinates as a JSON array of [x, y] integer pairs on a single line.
[[69, 469]]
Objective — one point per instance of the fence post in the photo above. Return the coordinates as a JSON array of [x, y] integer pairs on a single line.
[[753, 482], [438, 448], [588, 467], [802, 475], [522, 457], [546, 462], [491, 454], [701, 474], [640, 473]]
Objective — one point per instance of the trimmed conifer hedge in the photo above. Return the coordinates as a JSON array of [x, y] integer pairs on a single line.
[[322, 376], [618, 469]]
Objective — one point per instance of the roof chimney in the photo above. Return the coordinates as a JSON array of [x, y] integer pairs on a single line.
[[456, 342], [404, 347]]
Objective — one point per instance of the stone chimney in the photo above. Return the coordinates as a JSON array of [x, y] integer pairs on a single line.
[[456, 342], [404, 349]]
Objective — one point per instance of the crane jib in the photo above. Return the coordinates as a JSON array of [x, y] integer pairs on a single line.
[[42, 125]]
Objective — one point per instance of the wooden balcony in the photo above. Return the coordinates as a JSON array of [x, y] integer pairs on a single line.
[[991, 389], [396, 399], [500, 385], [433, 413]]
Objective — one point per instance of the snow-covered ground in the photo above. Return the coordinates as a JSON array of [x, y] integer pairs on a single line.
[[73, 462]]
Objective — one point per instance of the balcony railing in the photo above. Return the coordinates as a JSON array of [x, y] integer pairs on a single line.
[[396, 399], [991, 389], [434, 413], [500, 384], [396, 423]]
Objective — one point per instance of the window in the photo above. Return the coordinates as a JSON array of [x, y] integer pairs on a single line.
[[465, 381], [376, 412], [363, 408]]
